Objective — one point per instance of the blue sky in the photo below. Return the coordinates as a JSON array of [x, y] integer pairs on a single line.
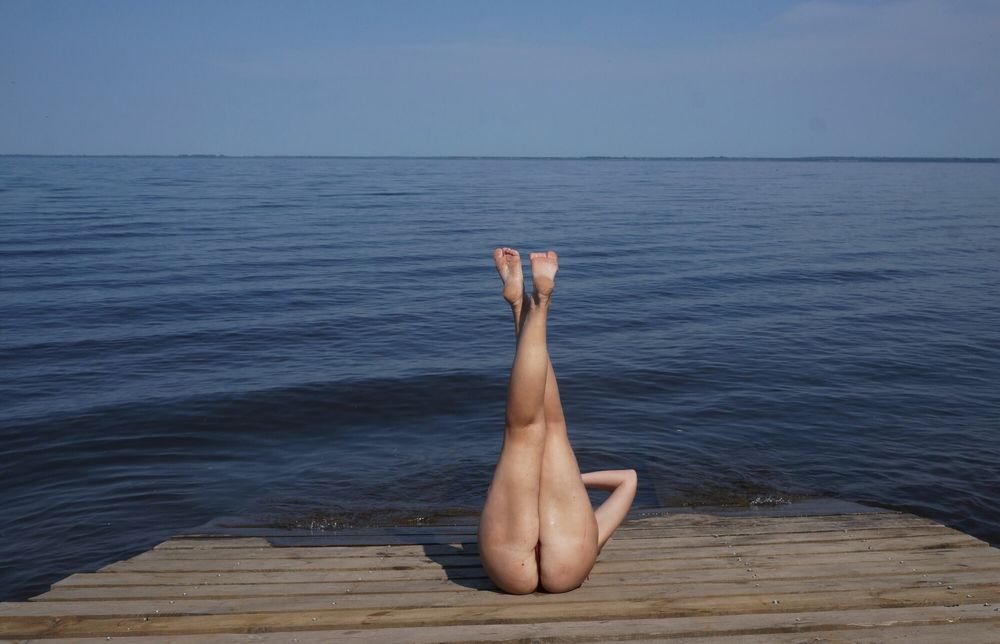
[[739, 78]]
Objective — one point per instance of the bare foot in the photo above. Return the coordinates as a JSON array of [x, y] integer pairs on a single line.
[[543, 272], [508, 263]]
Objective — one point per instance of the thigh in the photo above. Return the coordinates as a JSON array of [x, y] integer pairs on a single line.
[[508, 527], [567, 525]]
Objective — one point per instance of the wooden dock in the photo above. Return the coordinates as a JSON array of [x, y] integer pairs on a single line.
[[826, 572]]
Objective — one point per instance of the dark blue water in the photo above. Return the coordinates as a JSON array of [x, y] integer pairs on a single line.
[[324, 339]]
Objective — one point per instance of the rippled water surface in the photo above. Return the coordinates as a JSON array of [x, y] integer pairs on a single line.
[[324, 340]]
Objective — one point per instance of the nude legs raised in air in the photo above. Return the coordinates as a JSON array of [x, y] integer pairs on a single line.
[[538, 496]]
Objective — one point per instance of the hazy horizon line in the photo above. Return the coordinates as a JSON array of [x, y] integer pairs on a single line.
[[595, 157]]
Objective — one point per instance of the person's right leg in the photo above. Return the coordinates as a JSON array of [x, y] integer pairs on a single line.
[[508, 527], [568, 530], [567, 523]]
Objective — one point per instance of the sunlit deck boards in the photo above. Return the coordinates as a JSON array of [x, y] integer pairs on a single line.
[[840, 576]]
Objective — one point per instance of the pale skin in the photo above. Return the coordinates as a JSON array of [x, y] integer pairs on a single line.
[[538, 495]]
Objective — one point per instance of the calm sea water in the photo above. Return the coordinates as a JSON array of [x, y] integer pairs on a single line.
[[323, 340]]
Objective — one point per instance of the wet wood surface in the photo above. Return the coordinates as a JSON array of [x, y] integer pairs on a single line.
[[835, 573]]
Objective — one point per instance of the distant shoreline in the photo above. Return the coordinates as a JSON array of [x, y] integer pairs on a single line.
[[823, 159]]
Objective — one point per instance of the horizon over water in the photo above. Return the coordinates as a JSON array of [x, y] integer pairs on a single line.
[[487, 157], [322, 340]]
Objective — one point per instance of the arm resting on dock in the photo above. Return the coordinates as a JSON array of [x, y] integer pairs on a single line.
[[622, 485]]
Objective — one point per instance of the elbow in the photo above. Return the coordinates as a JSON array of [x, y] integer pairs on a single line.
[[631, 478]]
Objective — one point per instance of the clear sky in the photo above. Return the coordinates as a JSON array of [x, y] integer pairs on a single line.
[[504, 77]]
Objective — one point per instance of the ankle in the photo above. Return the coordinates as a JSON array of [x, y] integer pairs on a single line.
[[541, 300]]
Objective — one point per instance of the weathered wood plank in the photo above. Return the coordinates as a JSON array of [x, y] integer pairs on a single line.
[[261, 548], [149, 563], [822, 564], [961, 587], [634, 549], [182, 543], [516, 610], [767, 526], [265, 530], [416, 595], [980, 633], [266, 587], [849, 623], [457, 557], [700, 522]]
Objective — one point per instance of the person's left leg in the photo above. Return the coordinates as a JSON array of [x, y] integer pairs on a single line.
[[567, 524], [508, 526]]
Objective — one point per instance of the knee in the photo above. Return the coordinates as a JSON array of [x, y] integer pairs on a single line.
[[557, 424], [531, 430]]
